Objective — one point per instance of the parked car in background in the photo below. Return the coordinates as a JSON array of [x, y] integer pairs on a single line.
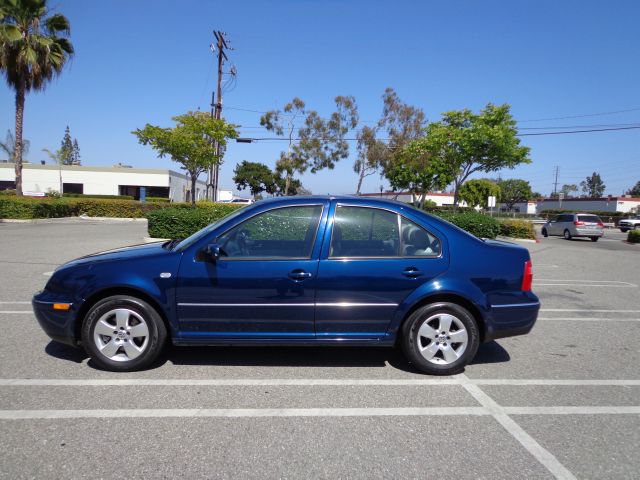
[[627, 224], [298, 271], [569, 225]]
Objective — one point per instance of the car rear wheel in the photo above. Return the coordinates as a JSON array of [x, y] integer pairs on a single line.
[[440, 339], [544, 232], [594, 239], [123, 333], [567, 235], [623, 230]]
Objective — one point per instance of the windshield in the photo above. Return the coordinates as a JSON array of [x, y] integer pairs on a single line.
[[187, 242]]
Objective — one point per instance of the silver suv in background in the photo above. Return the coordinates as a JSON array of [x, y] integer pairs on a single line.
[[629, 223], [571, 225]]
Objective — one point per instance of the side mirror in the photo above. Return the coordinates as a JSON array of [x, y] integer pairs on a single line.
[[212, 251]]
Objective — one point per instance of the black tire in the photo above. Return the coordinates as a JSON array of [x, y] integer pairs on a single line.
[[567, 235], [409, 340], [544, 232], [594, 239], [152, 346], [624, 230]]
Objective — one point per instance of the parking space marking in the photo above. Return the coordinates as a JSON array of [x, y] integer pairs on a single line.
[[589, 410], [15, 303], [589, 319], [16, 311], [556, 282], [241, 412], [546, 458], [279, 382], [587, 310]]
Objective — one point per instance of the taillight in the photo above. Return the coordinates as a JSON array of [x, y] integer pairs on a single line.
[[578, 222], [600, 224], [527, 278]]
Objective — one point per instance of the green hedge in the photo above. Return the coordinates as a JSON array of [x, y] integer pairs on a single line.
[[482, 226], [106, 197], [27, 208], [633, 236], [517, 229], [181, 221]]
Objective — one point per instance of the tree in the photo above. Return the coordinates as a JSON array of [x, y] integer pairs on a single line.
[[416, 170], [34, 48], [567, 189], [513, 191], [468, 142], [66, 147], [371, 154], [9, 146], [320, 142], [257, 177], [58, 158], [190, 143], [593, 186], [477, 192], [635, 191], [75, 156]]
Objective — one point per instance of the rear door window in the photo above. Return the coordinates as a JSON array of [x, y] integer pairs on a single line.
[[364, 232]]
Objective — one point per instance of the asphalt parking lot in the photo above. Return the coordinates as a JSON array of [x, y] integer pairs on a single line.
[[563, 401]]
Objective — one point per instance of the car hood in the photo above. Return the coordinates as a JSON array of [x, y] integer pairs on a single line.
[[124, 253]]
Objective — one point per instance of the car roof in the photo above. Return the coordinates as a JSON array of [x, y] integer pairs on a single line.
[[351, 198]]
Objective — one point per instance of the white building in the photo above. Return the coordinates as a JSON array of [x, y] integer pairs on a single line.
[[622, 204], [117, 180], [440, 199]]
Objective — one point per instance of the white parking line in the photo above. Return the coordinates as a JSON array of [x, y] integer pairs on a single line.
[[239, 412], [16, 311], [491, 408], [583, 285], [587, 310], [250, 382], [541, 454], [15, 303], [590, 319]]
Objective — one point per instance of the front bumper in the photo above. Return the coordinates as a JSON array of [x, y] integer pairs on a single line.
[[57, 324]]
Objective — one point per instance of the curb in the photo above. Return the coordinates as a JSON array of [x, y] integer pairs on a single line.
[[153, 240], [525, 240], [62, 219]]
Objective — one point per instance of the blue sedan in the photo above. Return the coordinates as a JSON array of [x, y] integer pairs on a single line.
[[311, 270]]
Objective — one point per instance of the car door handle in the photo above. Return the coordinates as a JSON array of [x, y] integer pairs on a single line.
[[412, 272], [299, 275]]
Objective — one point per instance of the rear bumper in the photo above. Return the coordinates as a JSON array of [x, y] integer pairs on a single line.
[[59, 325], [585, 232], [510, 320]]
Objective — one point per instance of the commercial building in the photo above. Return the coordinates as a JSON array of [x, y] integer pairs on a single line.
[[117, 180], [621, 204]]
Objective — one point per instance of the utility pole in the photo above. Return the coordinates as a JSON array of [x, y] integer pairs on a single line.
[[555, 183], [216, 111]]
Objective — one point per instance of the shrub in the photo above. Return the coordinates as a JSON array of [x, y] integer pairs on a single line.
[[26, 207], [112, 197], [633, 236], [517, 229], [7, 192], [180, 221], [482, 226]]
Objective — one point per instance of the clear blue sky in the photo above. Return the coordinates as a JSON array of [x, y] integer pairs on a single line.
[[145, 61]]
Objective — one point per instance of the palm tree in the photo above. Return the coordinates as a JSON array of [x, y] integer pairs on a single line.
[[33, 50], [9, 146]]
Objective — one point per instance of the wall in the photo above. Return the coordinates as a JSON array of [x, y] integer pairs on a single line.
[[100, 181]]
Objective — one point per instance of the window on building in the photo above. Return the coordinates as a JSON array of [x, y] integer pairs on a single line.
[[7, 185], [72, 188]]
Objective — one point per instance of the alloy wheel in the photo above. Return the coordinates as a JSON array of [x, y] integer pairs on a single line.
[[121, 334], [442, 339]]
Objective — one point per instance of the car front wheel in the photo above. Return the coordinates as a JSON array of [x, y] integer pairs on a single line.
[[123, 333], [441, 338]]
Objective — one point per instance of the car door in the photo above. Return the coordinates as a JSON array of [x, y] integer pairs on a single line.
[[552, 227], [371, 260], [262, 285]]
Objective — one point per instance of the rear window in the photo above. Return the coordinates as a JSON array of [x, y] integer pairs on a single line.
[[589, 218]]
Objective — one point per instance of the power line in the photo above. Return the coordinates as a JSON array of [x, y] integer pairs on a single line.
[[582, 116]]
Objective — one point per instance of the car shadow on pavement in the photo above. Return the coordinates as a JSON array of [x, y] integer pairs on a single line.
[[491, 352], [65, 352]]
